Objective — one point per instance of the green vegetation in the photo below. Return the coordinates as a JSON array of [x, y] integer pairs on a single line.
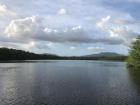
[[134, 55], [13, 54], [134, 74]]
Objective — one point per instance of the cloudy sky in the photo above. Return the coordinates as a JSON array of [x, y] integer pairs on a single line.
[[69, 27]]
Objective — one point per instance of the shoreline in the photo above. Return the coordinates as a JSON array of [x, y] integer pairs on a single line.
[[47, 60]]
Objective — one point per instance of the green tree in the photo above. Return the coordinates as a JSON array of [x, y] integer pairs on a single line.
[[134, 55]]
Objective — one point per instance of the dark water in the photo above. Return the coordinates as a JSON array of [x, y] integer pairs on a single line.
[[69, 83]]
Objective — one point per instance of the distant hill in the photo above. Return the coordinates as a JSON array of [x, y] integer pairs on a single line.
[[14, 54], [104, 54]]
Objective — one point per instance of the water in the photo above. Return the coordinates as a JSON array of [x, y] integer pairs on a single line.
[[68, 83]]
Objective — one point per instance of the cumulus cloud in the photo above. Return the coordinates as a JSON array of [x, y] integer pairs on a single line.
[[4, 11], [31, 27], [23, 27], [74, 35], [128, 36], [117, 30]]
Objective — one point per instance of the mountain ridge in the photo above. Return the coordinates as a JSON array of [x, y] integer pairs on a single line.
[[104, 54]]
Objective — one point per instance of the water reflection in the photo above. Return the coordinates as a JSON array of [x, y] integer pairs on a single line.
[[69, 83], [135, 77]]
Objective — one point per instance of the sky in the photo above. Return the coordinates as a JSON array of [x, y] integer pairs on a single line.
[[69, 27]]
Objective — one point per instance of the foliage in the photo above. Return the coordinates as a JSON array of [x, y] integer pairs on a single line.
[[13, 54], [134, 55]]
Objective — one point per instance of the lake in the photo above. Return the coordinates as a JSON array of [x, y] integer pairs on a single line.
[[68, 83]]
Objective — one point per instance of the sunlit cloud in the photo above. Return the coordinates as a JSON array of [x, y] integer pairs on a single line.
[[23, 27], [118, 30]]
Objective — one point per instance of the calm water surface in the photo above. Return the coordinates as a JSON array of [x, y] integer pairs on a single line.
[[68, 83]]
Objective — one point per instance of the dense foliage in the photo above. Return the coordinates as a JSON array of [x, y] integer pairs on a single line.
[[134, 55], [13, 54]]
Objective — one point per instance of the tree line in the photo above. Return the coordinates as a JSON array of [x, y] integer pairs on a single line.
[[14, 54]]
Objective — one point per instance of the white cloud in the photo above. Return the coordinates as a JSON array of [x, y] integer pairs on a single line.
[[62, 11], [31, 28], [4, 11], [117, 30], [104, 21], [23, 27], [76, 28], [128, 36]]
